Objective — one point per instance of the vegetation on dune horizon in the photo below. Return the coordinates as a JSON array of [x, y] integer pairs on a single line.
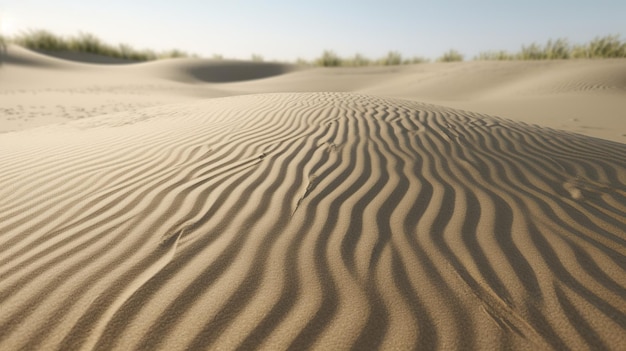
[[358, 60], [330, 59], [495, 56], [451, 56], [44, 40], [393, 58], [552, 50], [610, 46], [601, 47]]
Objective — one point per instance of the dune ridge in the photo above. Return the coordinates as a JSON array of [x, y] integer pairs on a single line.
[[310, 220]]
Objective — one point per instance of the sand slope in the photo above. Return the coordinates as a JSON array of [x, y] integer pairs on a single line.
[[313, 220], [583, 96], [38, 90]]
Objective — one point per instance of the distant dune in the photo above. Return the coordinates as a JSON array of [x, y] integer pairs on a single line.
[[582, 96], [194, 204]]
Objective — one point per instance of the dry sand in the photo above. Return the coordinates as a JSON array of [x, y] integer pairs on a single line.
[[192, 204]]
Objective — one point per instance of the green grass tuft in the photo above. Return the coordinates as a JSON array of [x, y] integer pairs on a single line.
[[552, 50], [451, 56], [609, 46], [329, 59], [393, 58], [415, 60], [358, 60], [495, 56], [43, 40]]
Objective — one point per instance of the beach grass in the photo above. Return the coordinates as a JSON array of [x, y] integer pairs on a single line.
[[393, 58], [451, 56], [415, 60], [609, 46], [495, 56], [43, 40], [358, 60], [553, 50], [329, 59]]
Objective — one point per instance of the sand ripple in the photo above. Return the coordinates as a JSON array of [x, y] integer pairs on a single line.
[[314, 220]]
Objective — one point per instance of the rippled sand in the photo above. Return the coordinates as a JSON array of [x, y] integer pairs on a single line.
[[325, 220]]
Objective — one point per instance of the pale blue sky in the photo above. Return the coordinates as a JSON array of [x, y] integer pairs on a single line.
[[286, 30]]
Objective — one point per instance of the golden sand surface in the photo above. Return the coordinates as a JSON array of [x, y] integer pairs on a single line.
[[193, 204]]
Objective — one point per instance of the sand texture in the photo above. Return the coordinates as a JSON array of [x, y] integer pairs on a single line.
[[234, 211]]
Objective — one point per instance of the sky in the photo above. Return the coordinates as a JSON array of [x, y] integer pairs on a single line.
[[287, 30]]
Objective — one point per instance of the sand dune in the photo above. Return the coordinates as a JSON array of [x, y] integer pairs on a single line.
[[582, 96], [208, 71], [202, 204], [310, 220]]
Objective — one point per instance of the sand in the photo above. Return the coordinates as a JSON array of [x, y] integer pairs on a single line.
[[198, 204]]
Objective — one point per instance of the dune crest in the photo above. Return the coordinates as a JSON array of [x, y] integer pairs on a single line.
[[310, 220]]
